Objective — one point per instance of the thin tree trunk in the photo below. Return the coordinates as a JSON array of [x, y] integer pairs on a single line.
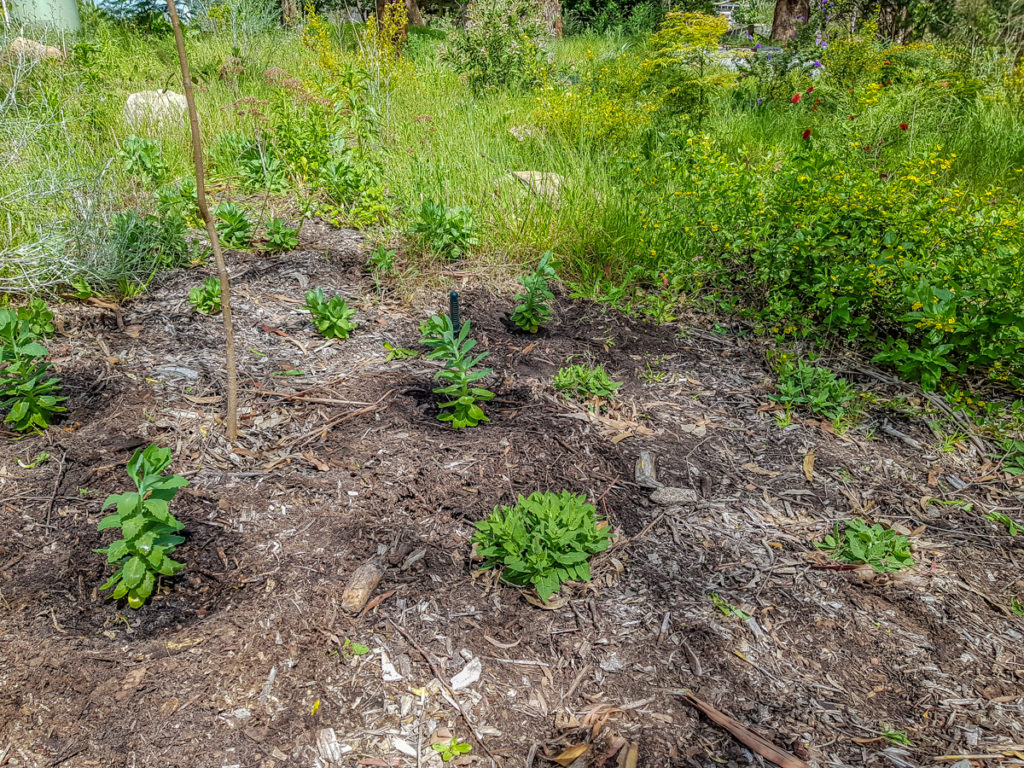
[[211, 230], [413, 9], [289, 12], [788, 14]]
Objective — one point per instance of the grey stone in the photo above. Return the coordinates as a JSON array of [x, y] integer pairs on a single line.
[[669, 497], [154, 108]]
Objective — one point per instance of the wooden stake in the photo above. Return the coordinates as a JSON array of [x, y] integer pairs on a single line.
[[211, 229]]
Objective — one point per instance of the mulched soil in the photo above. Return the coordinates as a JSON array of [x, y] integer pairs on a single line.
[[245, 658]]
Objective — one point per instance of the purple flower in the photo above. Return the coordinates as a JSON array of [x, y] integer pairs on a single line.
[[816, 65], [759, 101], [757, 47]]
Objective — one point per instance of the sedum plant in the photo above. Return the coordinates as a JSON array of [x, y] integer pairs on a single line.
[[27, 391], [581, 383], [280, 237], [333, 319], [456, 352], [534, 308], [148, 529], [233, 225], [205, 298], [38, 316], [542, 541]]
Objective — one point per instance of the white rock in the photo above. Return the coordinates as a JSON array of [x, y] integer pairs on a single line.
[[154, 108], [541, 184], [404, 747], [388, 672], [672, 496], [23, 49], [469, 675]]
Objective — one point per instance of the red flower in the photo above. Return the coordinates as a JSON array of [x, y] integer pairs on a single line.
[[796, 98], [807, 134], [810, 89], [851, 117], [886, 64], [903, 126], [944, 85]]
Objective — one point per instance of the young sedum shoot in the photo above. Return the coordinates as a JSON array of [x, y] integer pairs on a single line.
[[333, 319], [543, 541], [148, 529], [534, 308], [455, 351], [205, 298]]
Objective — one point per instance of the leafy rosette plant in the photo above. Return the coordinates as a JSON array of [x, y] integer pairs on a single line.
[[148, 528], [543, 541]]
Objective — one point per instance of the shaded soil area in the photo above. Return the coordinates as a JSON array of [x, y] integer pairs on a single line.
[[246, 658]]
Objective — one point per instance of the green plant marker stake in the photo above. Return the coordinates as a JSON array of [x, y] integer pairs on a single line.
[[453, 311]]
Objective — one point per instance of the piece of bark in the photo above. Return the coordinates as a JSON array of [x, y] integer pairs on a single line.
[[745, 735], [363, 581]]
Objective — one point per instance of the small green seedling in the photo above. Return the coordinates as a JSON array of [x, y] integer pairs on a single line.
[[331, 318], [280, 237], [27, 391], [1017, 606], [39, 460], [233, 225], [860, 544], [350, 648], [1012, 527], [148, 529], [459, 363], [398, 353], [382, 261], [205, 298], [452, 749], [897, 737], [542, 541], [581, 383], [727, 608], [535, 304]]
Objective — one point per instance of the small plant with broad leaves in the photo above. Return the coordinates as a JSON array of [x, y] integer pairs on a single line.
[[280, 237], [862, 544], [534, 307], [543, 541], [205, 298], [449, 750], [727, 608], [398, 353], [448, 232], [456, 352], [1011, 456], [142, 159], [149, 531], [233, 225], [333, 319], [27, 391], [583, 383], [38, 316], [817, 390]]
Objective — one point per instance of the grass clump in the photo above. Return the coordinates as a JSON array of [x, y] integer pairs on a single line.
[[542, 541], [862, 544]]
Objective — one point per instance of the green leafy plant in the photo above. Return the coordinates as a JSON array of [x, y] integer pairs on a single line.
[[818, 390], [1017, 606], [148, 529], [456, 351], [448, 232], [27, 391], [1012, 456], [179, 201], [331, 318], [727, 608], [1012, 527], [280, 237], [205, 298], [452, 749], [860, 544], [583, 383], [897, 737], [543, 540], [233, 225], [398, 353], [350, 648], [534, 309], [38, 316], [142, 158]]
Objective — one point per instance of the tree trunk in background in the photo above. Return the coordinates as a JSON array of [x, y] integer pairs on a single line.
[[289, 12], [553, 17], [788, 13], [413, 9]]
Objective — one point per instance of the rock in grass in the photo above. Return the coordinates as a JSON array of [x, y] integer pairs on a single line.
[[155, 108], [671, 497], [23, 49], [364, 580], [547, 185]]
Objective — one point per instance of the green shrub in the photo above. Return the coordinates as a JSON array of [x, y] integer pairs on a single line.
[[179, 201], [333, 319], [584, 383], [233, 225], [542, 541], [26, 388], [280, 237], [143, 159], [148, 529], [455, 351], [860, 544], [499, 46], [205, 298], [534, 309], [448, 232]]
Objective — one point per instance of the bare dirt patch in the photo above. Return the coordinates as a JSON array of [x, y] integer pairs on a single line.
[[242, 660]]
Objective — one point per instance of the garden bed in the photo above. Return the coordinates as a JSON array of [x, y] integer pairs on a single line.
[[243, 661]]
